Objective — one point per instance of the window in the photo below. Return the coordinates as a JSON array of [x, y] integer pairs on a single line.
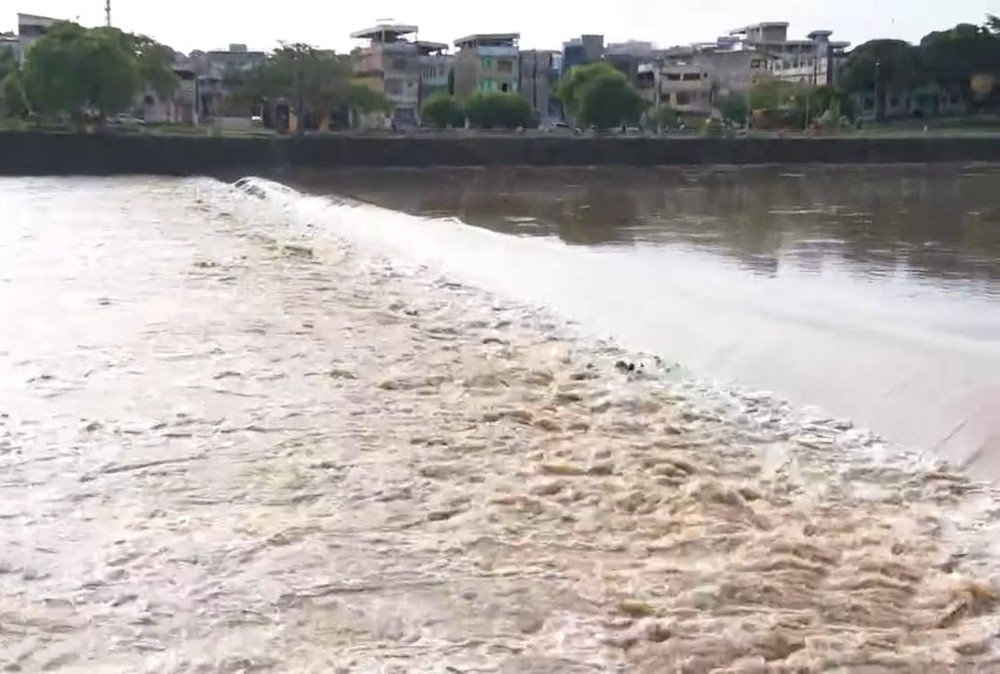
[[393, 87], [683, 98], [487, 62], [691, 77], [488, 85], [399, 64], [755, 63], [674, 77], [505, 66]]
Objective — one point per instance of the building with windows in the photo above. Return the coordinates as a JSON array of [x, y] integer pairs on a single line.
[[390, 64], [539, 72], [435, 69], [30, 27], [814, 61], [487, 62]]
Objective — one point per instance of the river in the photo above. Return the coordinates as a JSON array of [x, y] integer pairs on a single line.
[[246, 428], [870, 292]]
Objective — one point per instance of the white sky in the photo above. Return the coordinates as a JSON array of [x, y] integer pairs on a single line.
[[213, 24]]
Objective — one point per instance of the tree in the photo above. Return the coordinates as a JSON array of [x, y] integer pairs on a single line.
[[662, 117], [314, 80], [7, 63], [13, 98], [73, 70], [734, 108], [571, 89], [609, 100], [443, 111], [488, 110], [155, 63], [952, 57], [892, 64]]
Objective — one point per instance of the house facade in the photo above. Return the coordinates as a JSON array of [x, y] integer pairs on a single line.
[[390, 64], [487, 62], [539, 72], [435, 69], [814, 61]]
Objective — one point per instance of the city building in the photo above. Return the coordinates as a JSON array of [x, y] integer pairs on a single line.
[[435, 69], [30, 27], [538, 73], [233, 62], [692, 82], [813, 61], [581, 51], [628, 56], [487, 62], [390, 64], [9, 42]]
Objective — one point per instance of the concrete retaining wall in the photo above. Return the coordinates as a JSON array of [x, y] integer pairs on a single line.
[[60, 154]]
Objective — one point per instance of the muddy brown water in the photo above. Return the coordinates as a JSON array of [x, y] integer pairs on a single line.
[[871, 292], [247, 430]]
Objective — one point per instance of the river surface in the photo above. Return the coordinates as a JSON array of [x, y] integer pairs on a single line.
[[871, 292], [246, 429]]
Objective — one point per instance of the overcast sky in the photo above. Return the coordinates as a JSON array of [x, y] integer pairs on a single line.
[[212, 24]]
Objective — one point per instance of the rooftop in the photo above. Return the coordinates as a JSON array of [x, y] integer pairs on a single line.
[[759, 26], [488, 39], [35, 20], [385, 32], [427, 47]]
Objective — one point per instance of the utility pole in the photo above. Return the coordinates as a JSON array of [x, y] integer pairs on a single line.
[[107, 12]]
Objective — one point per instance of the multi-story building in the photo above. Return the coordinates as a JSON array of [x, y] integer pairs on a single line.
[[581, 51], [233, 62], [539, 71], [435, 69], [693, 82], [486, 62], [628, 56], [390, 65], [30, 27], [814, 61]]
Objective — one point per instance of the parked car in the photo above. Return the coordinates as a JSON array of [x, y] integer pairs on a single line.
[[125, 120]]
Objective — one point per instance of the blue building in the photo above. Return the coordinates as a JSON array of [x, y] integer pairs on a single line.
[[582, 50]]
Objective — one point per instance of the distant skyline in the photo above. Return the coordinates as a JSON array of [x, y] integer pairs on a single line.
[[214, 24]]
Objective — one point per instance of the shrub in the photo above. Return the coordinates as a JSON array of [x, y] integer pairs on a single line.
[[443, 111], [488, 110]]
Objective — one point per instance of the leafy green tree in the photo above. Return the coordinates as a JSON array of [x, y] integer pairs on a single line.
[[952, 57], [155, 62], [993, 24], [894, 64], [8, 63], [609, 100], [662, 117], [314, 80], [443, 111], [487, 110], [733, 108], [72, 70], [571, 89], [13, 97]]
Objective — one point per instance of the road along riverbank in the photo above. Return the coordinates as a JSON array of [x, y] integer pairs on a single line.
[[27, 153], [237, 436]]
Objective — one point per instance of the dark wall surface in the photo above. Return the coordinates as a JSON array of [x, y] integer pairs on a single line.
[[24, 153]]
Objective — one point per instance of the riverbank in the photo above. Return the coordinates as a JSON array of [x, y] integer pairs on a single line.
[[79, 154], [236, 439]]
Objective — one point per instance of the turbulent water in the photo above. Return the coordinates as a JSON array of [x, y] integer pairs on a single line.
[[247, 430], [872, 292]]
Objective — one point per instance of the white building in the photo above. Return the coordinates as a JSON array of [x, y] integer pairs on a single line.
[[814, 61]]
